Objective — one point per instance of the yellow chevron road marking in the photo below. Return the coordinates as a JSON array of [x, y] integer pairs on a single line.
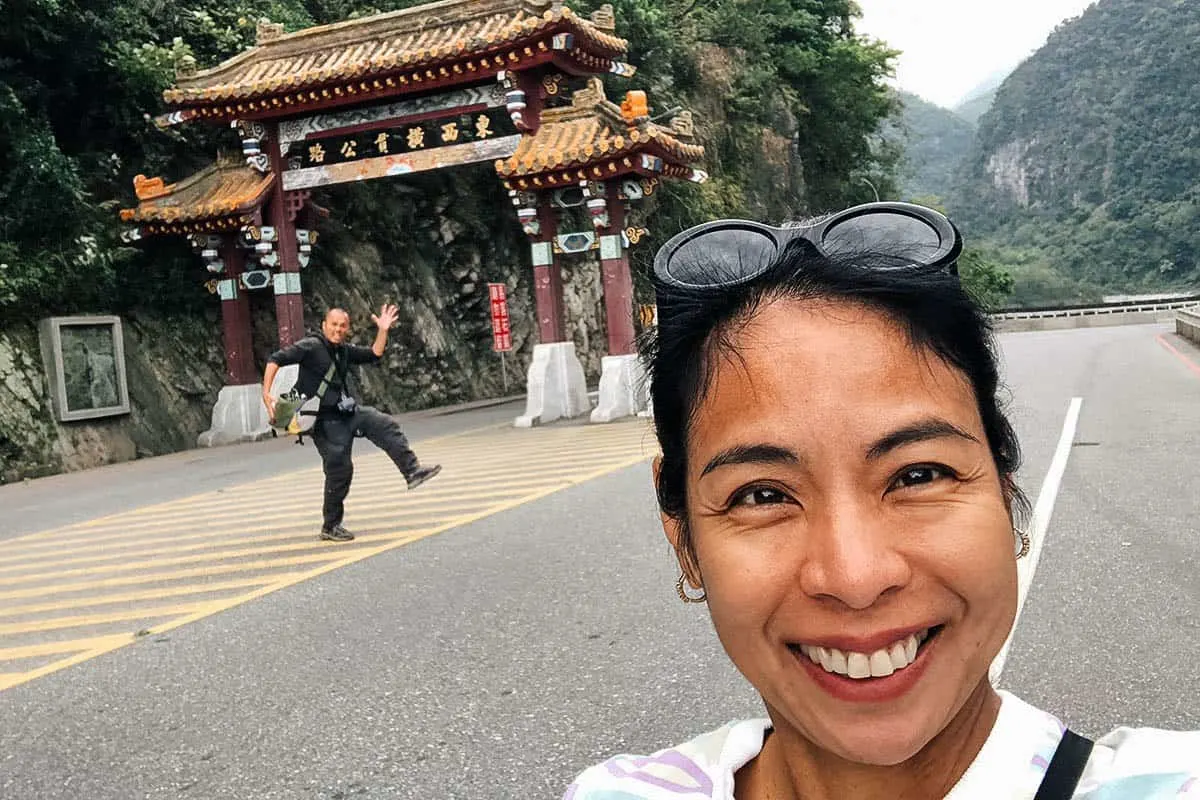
[[210, 587], [208, 539], [195, 558], [156, 568], [82, 620]]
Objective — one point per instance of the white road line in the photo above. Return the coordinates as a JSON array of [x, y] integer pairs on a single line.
[[1039, 523]]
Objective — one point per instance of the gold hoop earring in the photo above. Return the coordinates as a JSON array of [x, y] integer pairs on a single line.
[[684, 596], [1023, 537]]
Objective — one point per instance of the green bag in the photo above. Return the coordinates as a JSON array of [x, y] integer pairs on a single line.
[[296, 414]]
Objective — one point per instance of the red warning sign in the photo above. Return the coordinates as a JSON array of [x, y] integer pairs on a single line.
[[501, 329]]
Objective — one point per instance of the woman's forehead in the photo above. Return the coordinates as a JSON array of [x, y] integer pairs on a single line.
[[837, 365]]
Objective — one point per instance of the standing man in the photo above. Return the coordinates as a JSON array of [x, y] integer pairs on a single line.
[[341, 417]]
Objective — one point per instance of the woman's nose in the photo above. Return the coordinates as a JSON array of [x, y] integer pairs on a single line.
[[851, 556]]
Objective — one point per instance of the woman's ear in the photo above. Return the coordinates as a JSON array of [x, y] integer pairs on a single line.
[[676, 534]]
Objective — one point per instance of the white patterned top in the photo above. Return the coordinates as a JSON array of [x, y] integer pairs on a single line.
[[1127, 764]]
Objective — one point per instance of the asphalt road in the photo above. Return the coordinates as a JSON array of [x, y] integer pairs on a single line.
[[63, 499], [498, 659]]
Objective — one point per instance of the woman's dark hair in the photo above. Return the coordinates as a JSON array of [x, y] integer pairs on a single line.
[[696, 330]]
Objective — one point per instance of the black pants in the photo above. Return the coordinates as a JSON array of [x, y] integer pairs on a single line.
[[334, 438]]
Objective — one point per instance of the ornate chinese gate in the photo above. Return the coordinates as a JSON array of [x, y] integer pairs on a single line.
[[445, 84]]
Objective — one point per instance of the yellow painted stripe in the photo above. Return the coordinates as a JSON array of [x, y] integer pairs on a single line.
[[78, 658], [198, 558], [55, 648], [83, 620], [399, 507], [133, 580], [360, 493], [376, 466], [351, 555], [211, 587], [217, 537], [185, 509], [450, 483], [217, 493], [452, 489]]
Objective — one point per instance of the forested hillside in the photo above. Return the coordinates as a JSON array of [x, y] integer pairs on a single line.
[[977, 101], [934, 142], [1087, 166]]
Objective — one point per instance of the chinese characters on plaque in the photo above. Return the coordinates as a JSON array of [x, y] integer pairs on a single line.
[[401, 138]]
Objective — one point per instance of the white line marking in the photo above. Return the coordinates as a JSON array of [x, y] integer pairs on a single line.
[[1039, 523]]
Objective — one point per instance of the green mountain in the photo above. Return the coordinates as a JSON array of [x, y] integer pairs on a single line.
[[976, 106], [935, 141], [1088, 163], [976, 102]]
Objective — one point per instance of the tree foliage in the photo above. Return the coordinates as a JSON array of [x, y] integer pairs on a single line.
[[789, 99]]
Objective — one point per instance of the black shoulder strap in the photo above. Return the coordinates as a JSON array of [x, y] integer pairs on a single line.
[[341, 365], [324, 387], [1066, 768]]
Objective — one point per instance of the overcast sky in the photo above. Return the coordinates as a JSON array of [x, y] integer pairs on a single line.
[[951, 46]]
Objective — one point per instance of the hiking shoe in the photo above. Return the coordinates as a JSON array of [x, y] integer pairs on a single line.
[[337, 533], [423, 474]]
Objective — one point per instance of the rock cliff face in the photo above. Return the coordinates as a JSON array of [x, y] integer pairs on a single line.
[[174, 368], [1009, 171], [429, 243]]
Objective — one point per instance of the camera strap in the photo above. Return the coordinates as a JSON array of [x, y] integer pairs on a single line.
[[324, 387], [340, 366]]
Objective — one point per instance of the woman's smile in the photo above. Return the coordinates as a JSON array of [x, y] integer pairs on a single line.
[[865, 675]]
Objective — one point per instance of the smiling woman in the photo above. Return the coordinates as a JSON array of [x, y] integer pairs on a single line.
[[837, 481]]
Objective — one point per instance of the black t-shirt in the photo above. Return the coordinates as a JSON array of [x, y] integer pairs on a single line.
[[314, 355]]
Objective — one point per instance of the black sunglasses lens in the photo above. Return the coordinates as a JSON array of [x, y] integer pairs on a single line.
[[719, 257], [906, 239]]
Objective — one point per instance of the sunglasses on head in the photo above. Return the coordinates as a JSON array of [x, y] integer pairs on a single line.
[[731, 251]]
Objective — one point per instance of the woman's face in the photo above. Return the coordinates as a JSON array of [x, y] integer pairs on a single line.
[[845, 507]]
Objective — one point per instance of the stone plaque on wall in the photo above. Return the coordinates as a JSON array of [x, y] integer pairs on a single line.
[[84, 359]]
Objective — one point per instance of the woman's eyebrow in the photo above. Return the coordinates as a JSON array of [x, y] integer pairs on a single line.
[[751, 454], [921, 431]]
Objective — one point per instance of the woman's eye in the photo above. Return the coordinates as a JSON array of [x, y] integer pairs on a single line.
[[920, 475], [759, 496]]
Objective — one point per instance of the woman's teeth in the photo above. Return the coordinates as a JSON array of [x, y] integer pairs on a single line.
[[879, 664]]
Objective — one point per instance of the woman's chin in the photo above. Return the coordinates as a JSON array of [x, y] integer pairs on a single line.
[[882, 745]]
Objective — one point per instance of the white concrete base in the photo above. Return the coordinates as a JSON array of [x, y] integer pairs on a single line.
[[238, 416], [556, 386], [648, 411], [623, 389]]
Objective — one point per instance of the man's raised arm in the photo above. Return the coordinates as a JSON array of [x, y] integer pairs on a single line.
[[384, 320]]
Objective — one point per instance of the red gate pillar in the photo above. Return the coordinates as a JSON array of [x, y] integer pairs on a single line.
[[617, 279], [555, 385], [289, 298], [235, 316], [239, 414], [547, 276]]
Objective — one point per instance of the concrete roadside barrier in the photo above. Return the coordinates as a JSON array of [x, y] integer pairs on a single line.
[[1187, 324]]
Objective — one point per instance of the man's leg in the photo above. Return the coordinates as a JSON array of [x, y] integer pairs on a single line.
[[384, 432], [334, 439]]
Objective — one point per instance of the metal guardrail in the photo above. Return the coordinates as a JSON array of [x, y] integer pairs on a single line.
[[1099, 309]]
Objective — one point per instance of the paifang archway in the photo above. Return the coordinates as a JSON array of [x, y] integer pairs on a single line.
[[433, 86]]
